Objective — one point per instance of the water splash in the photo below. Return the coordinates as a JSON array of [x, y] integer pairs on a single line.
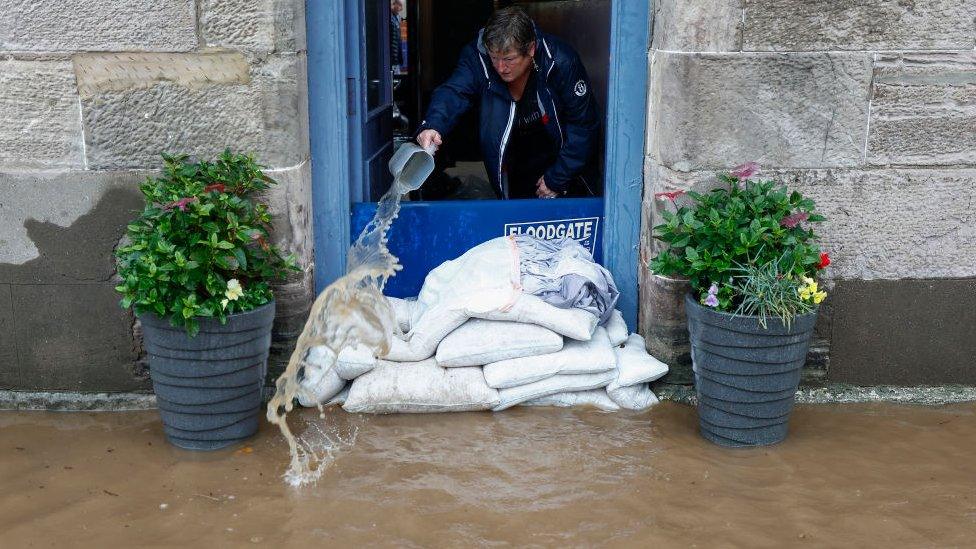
[[350, 311]]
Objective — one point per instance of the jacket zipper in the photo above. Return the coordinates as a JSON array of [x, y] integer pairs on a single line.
[[501, 149]]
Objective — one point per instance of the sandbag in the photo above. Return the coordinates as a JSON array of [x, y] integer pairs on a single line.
[[634, 365], [321, 382], [617, 328], [573, 323], [419, 387], [550, 386], [355, 361], [635, 397], [403, 312], [437, 322], [576, 357], [478, 342], [339, 399], [594, 398]]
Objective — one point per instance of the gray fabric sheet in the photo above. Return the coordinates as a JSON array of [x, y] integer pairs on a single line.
[[563, 273]]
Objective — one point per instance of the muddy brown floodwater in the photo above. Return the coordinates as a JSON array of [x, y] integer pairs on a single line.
[[854, 475]]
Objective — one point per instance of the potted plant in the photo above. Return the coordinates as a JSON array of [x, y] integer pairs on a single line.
[[751, 256], [196, 267]]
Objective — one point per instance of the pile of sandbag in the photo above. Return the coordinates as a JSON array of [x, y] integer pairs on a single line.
[[474, 339]]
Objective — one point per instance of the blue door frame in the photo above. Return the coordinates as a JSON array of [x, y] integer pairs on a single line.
[[336, 104]]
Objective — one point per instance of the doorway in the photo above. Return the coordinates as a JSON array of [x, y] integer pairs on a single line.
[[353, 144]]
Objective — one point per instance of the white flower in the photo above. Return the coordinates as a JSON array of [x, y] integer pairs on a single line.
[[224, 302], [234, 290]]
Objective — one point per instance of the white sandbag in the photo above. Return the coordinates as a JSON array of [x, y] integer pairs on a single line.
[[321, 382], [594, 398], [419, 387], [485, 276], [617, 328], [573, 323], [478, 342], [402, 311], [355, 361], [635, 397], [550, 386], [634, 365], [339, 399], [436, 323], [576, 357]]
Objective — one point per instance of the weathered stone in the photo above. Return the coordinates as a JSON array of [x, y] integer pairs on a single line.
[[72, 337], [118, 72], [805, 25], [792, 110], [40, 124], [680, 25], [260, 26], [130, 128], [923, 109], [882, 224], [61, 224], [97, 25], [904, 332]]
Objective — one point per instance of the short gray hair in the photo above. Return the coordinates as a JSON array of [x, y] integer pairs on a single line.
[[509, 28]]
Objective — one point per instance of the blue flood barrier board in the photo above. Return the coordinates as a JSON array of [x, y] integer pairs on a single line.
[[426, 234]]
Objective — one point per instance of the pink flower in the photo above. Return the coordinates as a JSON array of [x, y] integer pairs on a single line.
[[791, 221], [745, 170], [672, 196], [712, 299], [181, 203]]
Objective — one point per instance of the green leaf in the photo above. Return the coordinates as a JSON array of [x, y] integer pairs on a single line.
[[691, 254]]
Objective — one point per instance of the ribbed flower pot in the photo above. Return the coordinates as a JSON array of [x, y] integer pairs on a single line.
[[746, 376], [208, 387]]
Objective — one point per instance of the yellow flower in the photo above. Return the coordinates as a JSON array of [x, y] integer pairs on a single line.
[[234, 290], [819, 296]]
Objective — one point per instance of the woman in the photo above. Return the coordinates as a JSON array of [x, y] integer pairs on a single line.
[[539, 124]]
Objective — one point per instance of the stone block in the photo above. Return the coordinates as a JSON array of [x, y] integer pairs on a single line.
[[904, 332], [260, 26], [62, 227], [884, 223], [290, 203], [712, 25], [73, 337], [715, 111], [130, 127], [97, 25], [40, 122], [811, 25], [923, 109]]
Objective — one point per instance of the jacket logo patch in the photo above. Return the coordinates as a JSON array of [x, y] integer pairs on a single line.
[[580, 88]]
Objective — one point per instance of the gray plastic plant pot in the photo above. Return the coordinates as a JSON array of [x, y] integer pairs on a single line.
[[758, 410], [751, 370], [208, 387]]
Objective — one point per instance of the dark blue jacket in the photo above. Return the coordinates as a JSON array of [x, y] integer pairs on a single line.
[[564, 95]]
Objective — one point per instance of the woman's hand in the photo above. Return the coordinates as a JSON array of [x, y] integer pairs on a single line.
[[542, 191], [430, 140]]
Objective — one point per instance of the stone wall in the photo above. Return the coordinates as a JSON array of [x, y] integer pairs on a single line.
[[867, 106], [90, 94]]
